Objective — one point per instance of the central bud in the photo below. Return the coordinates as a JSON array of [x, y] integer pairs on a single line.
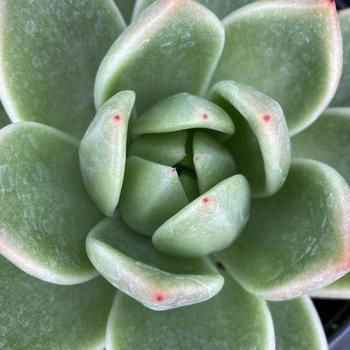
[[178, 171]]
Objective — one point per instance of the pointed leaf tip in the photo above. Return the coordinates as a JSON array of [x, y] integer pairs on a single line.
[[261, 134], [215, 324], [130, 262], [209, 223], [103, 151], [289, 50]]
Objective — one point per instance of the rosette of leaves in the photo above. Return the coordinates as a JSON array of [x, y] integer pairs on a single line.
[[169, 177]]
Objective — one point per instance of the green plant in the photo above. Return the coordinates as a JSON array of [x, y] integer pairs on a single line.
[[207, 173]]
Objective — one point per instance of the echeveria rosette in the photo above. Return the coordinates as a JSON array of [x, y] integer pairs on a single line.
[[187, 163]]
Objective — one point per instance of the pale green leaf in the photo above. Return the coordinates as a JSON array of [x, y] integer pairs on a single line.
[[130, 262], [209, 223], [50, 52], [232, 320], [45, 212], [181, 112], [289, 50], [36, 315], [151, 194], [297, 325], [327, 140], [298, 240], [212, 161], [342, 97], [173, 47], [167, 149], [261, 143], [103, 151], [220, 7]]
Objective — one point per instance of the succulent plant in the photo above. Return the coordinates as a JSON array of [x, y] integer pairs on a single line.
[[170, 177]]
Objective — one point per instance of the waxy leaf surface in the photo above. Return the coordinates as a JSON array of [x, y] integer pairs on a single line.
[[261, 143], [209, 223], [232, 320], [36, 315], [289, 50], [103, 151], [174, 46], [298, 240], [297, 325], [50, 51], [45, 212], [130, 262]]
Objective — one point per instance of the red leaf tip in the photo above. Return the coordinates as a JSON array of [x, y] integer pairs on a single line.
[[117, 118], [266, 118], [159, 297]]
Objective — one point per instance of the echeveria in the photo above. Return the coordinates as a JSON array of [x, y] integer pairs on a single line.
[[211, 170]]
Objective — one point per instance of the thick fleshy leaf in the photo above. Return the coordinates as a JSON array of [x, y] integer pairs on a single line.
[[181, 112], [221, 8], [130, 262], [342, 97], [41, 316], [327, 140], [45, 212], [340, 289], [298, 240], [50, 52], [297, 325], [233, 320], [173, 47], [261, 143], [212, 161], [168, 149], [151, 194], [209, 223], [126, 8], [289, 50], [103, 151]]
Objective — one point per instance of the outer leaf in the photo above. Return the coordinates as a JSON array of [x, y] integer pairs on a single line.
[[327, 140], [182, 33], [340, 289], [342, 97], [126, 8], [233, 320], [49, 53], [212, 161], [220, 7], [299, 239], [297, 325], [38, 316], [209, 223], [151, 194], [45, 212], [168, 149], [261, 145], [183, 111], [103, 151], [289, 50], [128, 261]]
